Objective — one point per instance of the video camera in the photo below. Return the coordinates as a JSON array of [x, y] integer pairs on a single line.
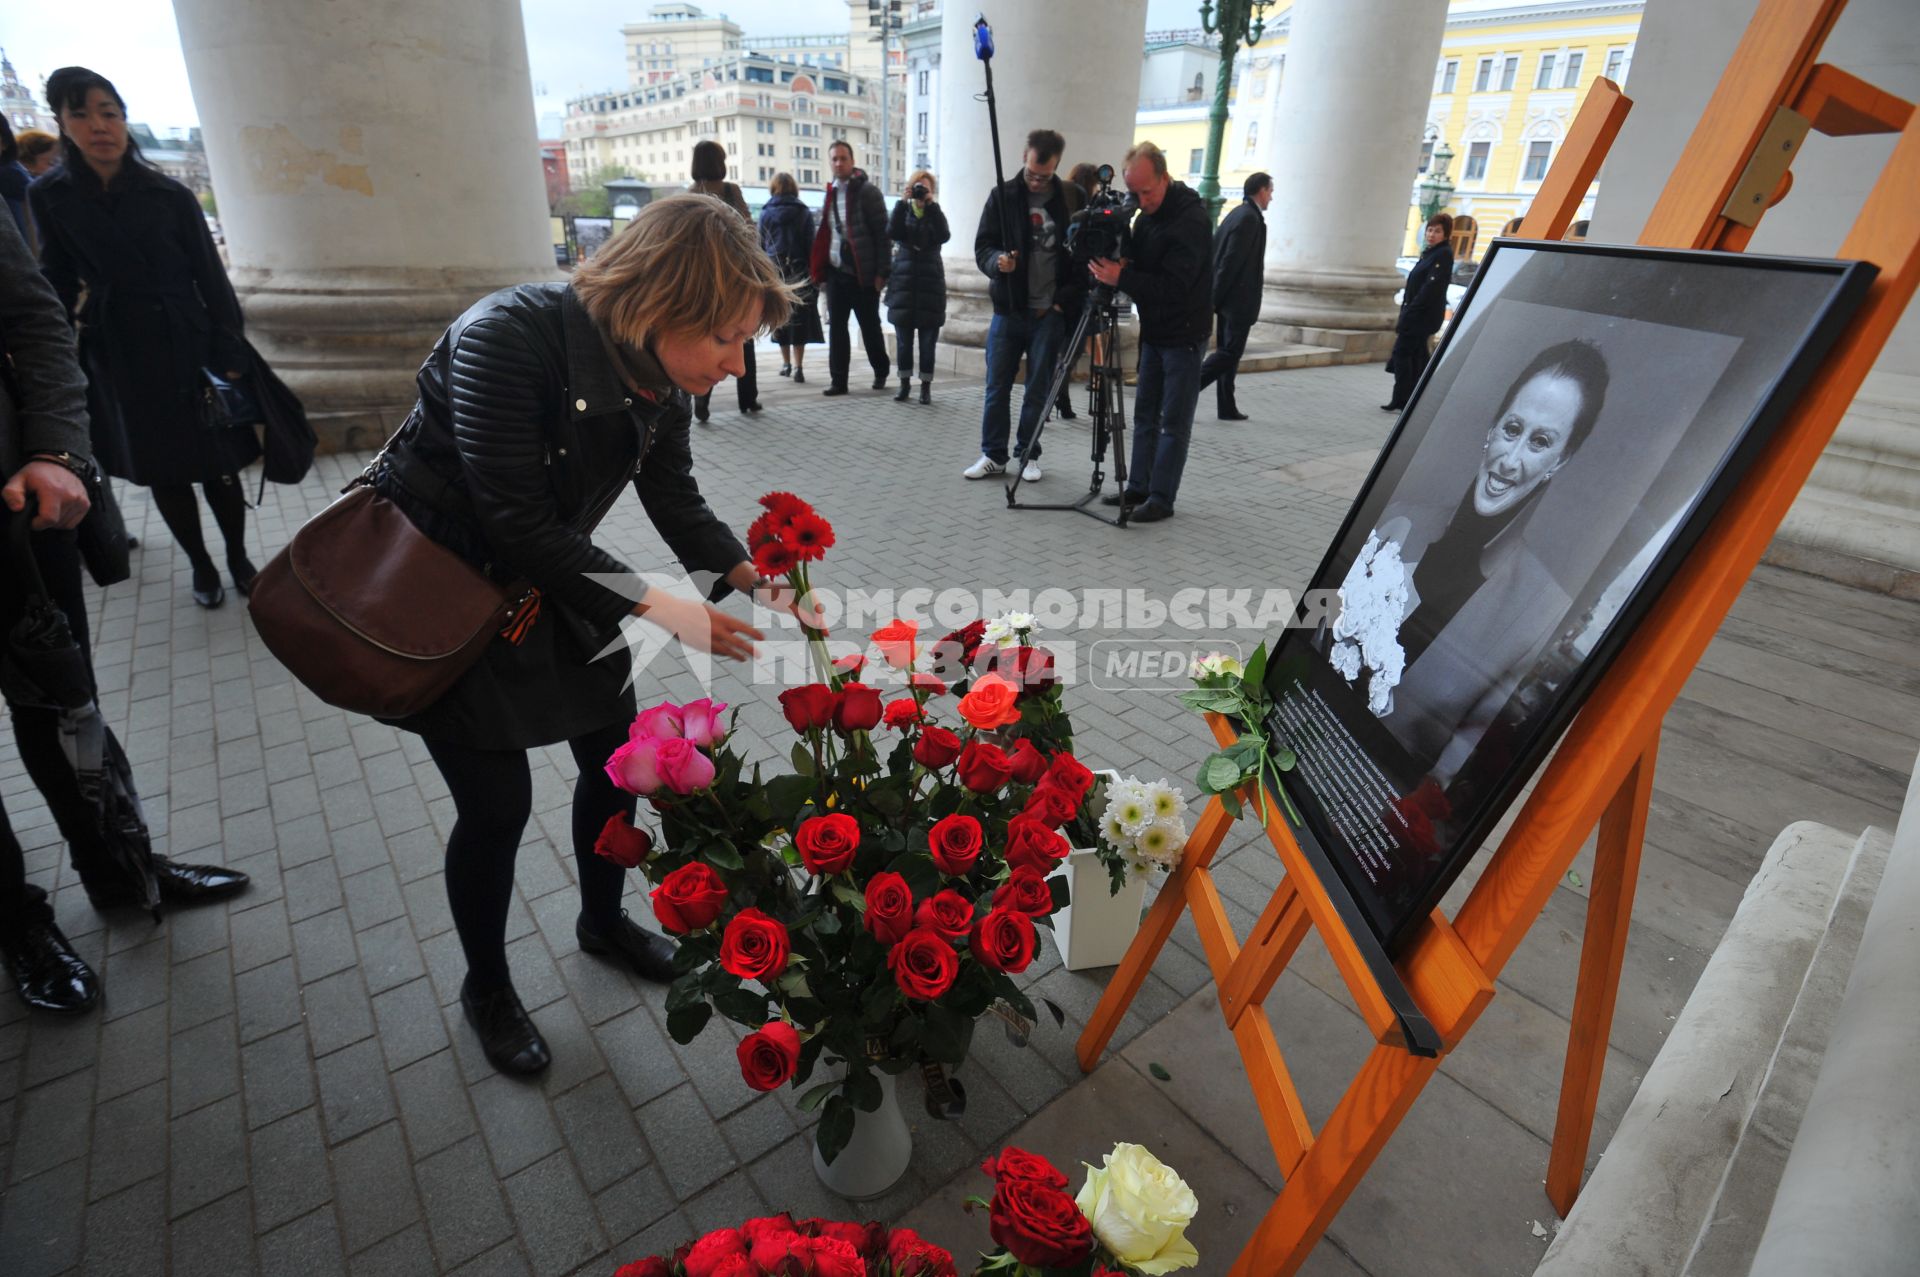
[[1104, 228]]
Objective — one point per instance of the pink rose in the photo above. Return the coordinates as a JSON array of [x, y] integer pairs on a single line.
[[683, 768], [701, 721], [635, 766], [662, 722]]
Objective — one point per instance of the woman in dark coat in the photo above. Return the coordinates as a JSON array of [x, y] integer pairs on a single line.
[[1423, 309], [786, 234], [158, 311], [917, 288], [710, 178], [536, 408]]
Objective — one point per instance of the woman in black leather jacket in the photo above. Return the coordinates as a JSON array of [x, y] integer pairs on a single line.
[[536, 408]]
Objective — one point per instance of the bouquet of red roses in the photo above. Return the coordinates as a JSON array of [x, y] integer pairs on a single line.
[[1130, 1217], [780, 1246]]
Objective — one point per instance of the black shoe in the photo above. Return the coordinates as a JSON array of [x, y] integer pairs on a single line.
[[242, 571], [799, 377], [906, 390], [1232, 414], [1150, 511], [507, 1033], [133, 543], [1114, 498], [1067, 413], [880, 380], [207, 590], [1392, 407], [193, 884], [786, 370], [650, 955], [926, 392], [49, 975], [831, 391], [700, 413], [752, 407]]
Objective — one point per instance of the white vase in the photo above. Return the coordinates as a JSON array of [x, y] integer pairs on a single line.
[[876, 1157], [1096, 927]]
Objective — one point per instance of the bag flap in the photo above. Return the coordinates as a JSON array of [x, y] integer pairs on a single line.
[[364, 562]]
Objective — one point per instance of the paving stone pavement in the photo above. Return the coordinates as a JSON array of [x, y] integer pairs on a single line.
[[285, 1084]]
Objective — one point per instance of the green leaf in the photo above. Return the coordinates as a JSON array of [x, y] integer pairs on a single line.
[[1283, 759], [1573, 878], [742, 1006], [836, 1128], [802, 758], [1053, 1009], [684, 992], [863, 1090], [817, 1095], [793, 983], [846, 894], [684, 1024], [1062, 894], [721, 854], [1159, 1072], [946, 1035], [1231, 802], [1219, 774], [1256, 667]]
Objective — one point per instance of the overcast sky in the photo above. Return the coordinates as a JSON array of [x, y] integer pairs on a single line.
[[573, 45]]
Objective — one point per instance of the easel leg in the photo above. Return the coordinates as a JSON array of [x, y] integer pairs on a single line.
[[1616, 870]]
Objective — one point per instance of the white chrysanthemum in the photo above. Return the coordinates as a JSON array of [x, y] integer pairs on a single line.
[[1168, 802], [1373, 601], [996, 632], [1116, 835], [1161, 842], [1132, 813]]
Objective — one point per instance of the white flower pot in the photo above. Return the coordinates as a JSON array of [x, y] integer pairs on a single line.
[[876, 1157], [1095, 928]]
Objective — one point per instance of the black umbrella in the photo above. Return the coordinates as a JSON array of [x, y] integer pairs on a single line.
[[42, 666]]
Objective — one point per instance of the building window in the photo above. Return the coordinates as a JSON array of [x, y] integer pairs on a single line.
[[1253, 137], [1544, 80], [1426, 156], [923, 84], [1477, 161], [920, 129], [1196, 158], [1450, 75], [1617, 65], [1483, 77], [1572, 78], [1539, 154], [1198, 88], [1509, 72]]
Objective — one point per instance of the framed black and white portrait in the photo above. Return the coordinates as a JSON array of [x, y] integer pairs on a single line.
[[1589, 411]]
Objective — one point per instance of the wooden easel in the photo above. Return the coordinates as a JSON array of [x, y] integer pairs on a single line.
[[1734, 167]]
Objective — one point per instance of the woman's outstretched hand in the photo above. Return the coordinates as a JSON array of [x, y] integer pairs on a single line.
[[700, 625], [778, 596]]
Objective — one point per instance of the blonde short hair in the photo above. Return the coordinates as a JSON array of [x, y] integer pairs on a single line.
[[924, 175], [783, 184], [687, 265], [1149, 152]]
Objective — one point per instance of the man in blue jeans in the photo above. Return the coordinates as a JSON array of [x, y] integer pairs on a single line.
[[1169, 278], [1021, 247]]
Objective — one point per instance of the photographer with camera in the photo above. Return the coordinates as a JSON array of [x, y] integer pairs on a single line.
[[1021, 247], [917, 289], [1169, 278]]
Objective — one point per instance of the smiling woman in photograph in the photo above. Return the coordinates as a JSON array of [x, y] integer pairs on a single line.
[[1481, 605]]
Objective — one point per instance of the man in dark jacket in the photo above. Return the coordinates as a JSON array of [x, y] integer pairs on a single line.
[[850, 262], [1239, 257], [1168, 279], [1423, 309], [1021, 246]]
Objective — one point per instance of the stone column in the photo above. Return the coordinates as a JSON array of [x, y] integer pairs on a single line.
[[377, 167], [1056, 66], [1346, 144]]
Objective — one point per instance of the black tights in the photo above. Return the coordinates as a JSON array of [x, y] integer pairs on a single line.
[[492, 793], [182, 513]]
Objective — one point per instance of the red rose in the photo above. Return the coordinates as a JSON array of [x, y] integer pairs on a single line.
[[984, 768], [1051, 805], [1003, 941], [827, 843], [856, 707], [769, 1055], [955, 843], [1034, 846], [689, 899], [897, 641], [736, 1266], [1029, 764], [755, 946], [1067, 772], [889, 914], [1027, 891], [914, 1256], [948, 912], [774, 1254], [869, 1239], [1032, 669], [1017, 1163], [902, 712], [990, 703], [1038, 1224], [953, 655], [927, 683], [830, 1257], [768, 1225], [809, 707], [936, 748], [851, 663], [651, 1266], [621, 843], [923, 964], [707, 1254]]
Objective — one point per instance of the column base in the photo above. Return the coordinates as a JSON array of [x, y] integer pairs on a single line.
[[351, 342]]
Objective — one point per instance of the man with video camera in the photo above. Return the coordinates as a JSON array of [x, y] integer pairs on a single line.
[[1168, 276], [1021, 246]]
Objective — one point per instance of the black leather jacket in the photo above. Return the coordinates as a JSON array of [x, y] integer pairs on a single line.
[[523, 437]]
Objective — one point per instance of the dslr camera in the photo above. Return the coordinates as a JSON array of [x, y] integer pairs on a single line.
[[919, 191], [1104, 228]]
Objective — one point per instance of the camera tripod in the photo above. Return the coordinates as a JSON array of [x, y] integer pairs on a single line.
[[1106, 405]]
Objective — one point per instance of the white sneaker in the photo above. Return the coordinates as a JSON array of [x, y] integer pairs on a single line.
[[984, 468], [1032, 473]]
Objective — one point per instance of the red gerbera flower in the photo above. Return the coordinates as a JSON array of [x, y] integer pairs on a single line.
[[761, 531], [784, 508], [809, 537], [773, 558]]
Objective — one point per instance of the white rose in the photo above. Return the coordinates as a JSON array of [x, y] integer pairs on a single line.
[[1140, 1209]]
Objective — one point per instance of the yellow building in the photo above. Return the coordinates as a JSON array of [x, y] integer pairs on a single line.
[[1509, 80]]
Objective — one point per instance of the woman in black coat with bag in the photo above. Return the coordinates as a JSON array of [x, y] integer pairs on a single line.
[[786, 235], [159, 314], [1423, 309], [917, 288]]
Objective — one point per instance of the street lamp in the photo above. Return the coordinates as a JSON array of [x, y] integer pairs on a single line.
[[1239, 21], [885, 17], [1436, 188]]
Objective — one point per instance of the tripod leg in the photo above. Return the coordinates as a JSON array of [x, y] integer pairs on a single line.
[[1061, 371]]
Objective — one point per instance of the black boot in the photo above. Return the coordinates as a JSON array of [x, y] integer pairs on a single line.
[[926, 392], [650, 956], [241, 568], [207, 590], [906, 390], [49, 975], [507, 1033]]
